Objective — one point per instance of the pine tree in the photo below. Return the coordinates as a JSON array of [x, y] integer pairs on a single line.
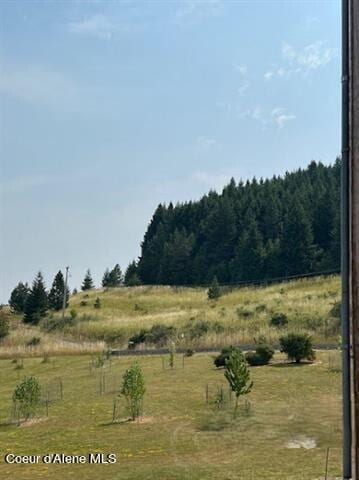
[[106, 278], [214, 291], [56, 295], [115, 276], [131, 275], [37, 302], [87, 284], [18, 297]]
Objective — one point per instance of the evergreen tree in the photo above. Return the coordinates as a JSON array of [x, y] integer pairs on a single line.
[[115, 276], [106, 278], [214, 291], [87, 284], [176, 260], [56, 295], [131, 275], [36, 302], [18, 297]]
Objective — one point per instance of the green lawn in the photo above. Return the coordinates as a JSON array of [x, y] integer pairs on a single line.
[[181, 437]]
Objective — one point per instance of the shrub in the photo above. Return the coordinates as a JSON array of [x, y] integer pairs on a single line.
[[214, 291], [33, 342], [243, 313], [83, 303], [336, 310], [297, 346], [26, 397], [262, 355], [279, 320], [198, 329], [73, 313], [160, 334], [260, 308], [137, 339], [189, 352], [4, 325], [220, 360], [97, 303]]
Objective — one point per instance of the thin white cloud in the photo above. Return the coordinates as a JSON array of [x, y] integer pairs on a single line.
[[281, 117], [96, 25], [191, 12], [268, 75], [312, 57], [241, 68]]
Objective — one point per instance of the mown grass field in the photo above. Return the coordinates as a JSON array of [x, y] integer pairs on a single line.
[[182, 437], [238, 317]]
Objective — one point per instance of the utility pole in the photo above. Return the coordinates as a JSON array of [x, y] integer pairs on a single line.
[[352, 11], [65, 294]]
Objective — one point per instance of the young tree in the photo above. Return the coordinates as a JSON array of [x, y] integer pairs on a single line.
[[131, 275], [97, 303], [18, 297], [56, 295], [36, 302], [106, 278], [133, 389], [214, 291], [238, 377], [297, 346], [26, 397], [115, 276], [87, 284]]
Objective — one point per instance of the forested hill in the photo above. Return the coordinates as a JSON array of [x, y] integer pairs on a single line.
[[255, 230]]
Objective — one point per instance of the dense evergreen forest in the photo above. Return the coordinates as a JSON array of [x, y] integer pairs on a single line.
[[251, 231]]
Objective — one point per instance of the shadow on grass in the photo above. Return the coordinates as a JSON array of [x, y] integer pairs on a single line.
[[111, 423], [289, 364]]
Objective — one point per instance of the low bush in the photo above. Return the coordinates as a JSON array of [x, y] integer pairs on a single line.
[[262, 355], [279, 320], [297, 346], [221, 359], [158, 335]]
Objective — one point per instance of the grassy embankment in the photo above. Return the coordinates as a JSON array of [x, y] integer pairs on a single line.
[[237, 317], [181, 436]]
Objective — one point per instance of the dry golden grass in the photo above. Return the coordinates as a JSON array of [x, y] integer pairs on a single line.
[[238, 317]]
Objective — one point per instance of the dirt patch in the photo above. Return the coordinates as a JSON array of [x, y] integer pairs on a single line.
[[302, 442], [33, 421]]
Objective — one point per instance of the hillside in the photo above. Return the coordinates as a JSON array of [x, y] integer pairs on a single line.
[[250, 231], [185, 315]]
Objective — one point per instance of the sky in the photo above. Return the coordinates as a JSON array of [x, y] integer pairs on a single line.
[[108, 108]]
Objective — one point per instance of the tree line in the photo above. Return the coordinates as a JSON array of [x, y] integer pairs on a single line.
[[250, 231], [34, 302]]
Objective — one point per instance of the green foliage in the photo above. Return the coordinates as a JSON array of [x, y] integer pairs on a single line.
[[73, 313], [238, 376], [336, 310], [33, 342], [158, 335], [18, 297], [4, 325], [57, 292], [279, 320], [133, 389], [26, 397], [253, 230], [87, 284], [97, 303], [132, 278], [112, 278], [36, 303], [262, 355], [214, 291], [297, 346], [221, 359]]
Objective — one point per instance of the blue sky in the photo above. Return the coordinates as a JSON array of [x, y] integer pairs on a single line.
[[109, 108]]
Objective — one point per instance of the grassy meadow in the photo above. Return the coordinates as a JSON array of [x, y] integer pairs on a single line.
[[238, 317], [293, 416]]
